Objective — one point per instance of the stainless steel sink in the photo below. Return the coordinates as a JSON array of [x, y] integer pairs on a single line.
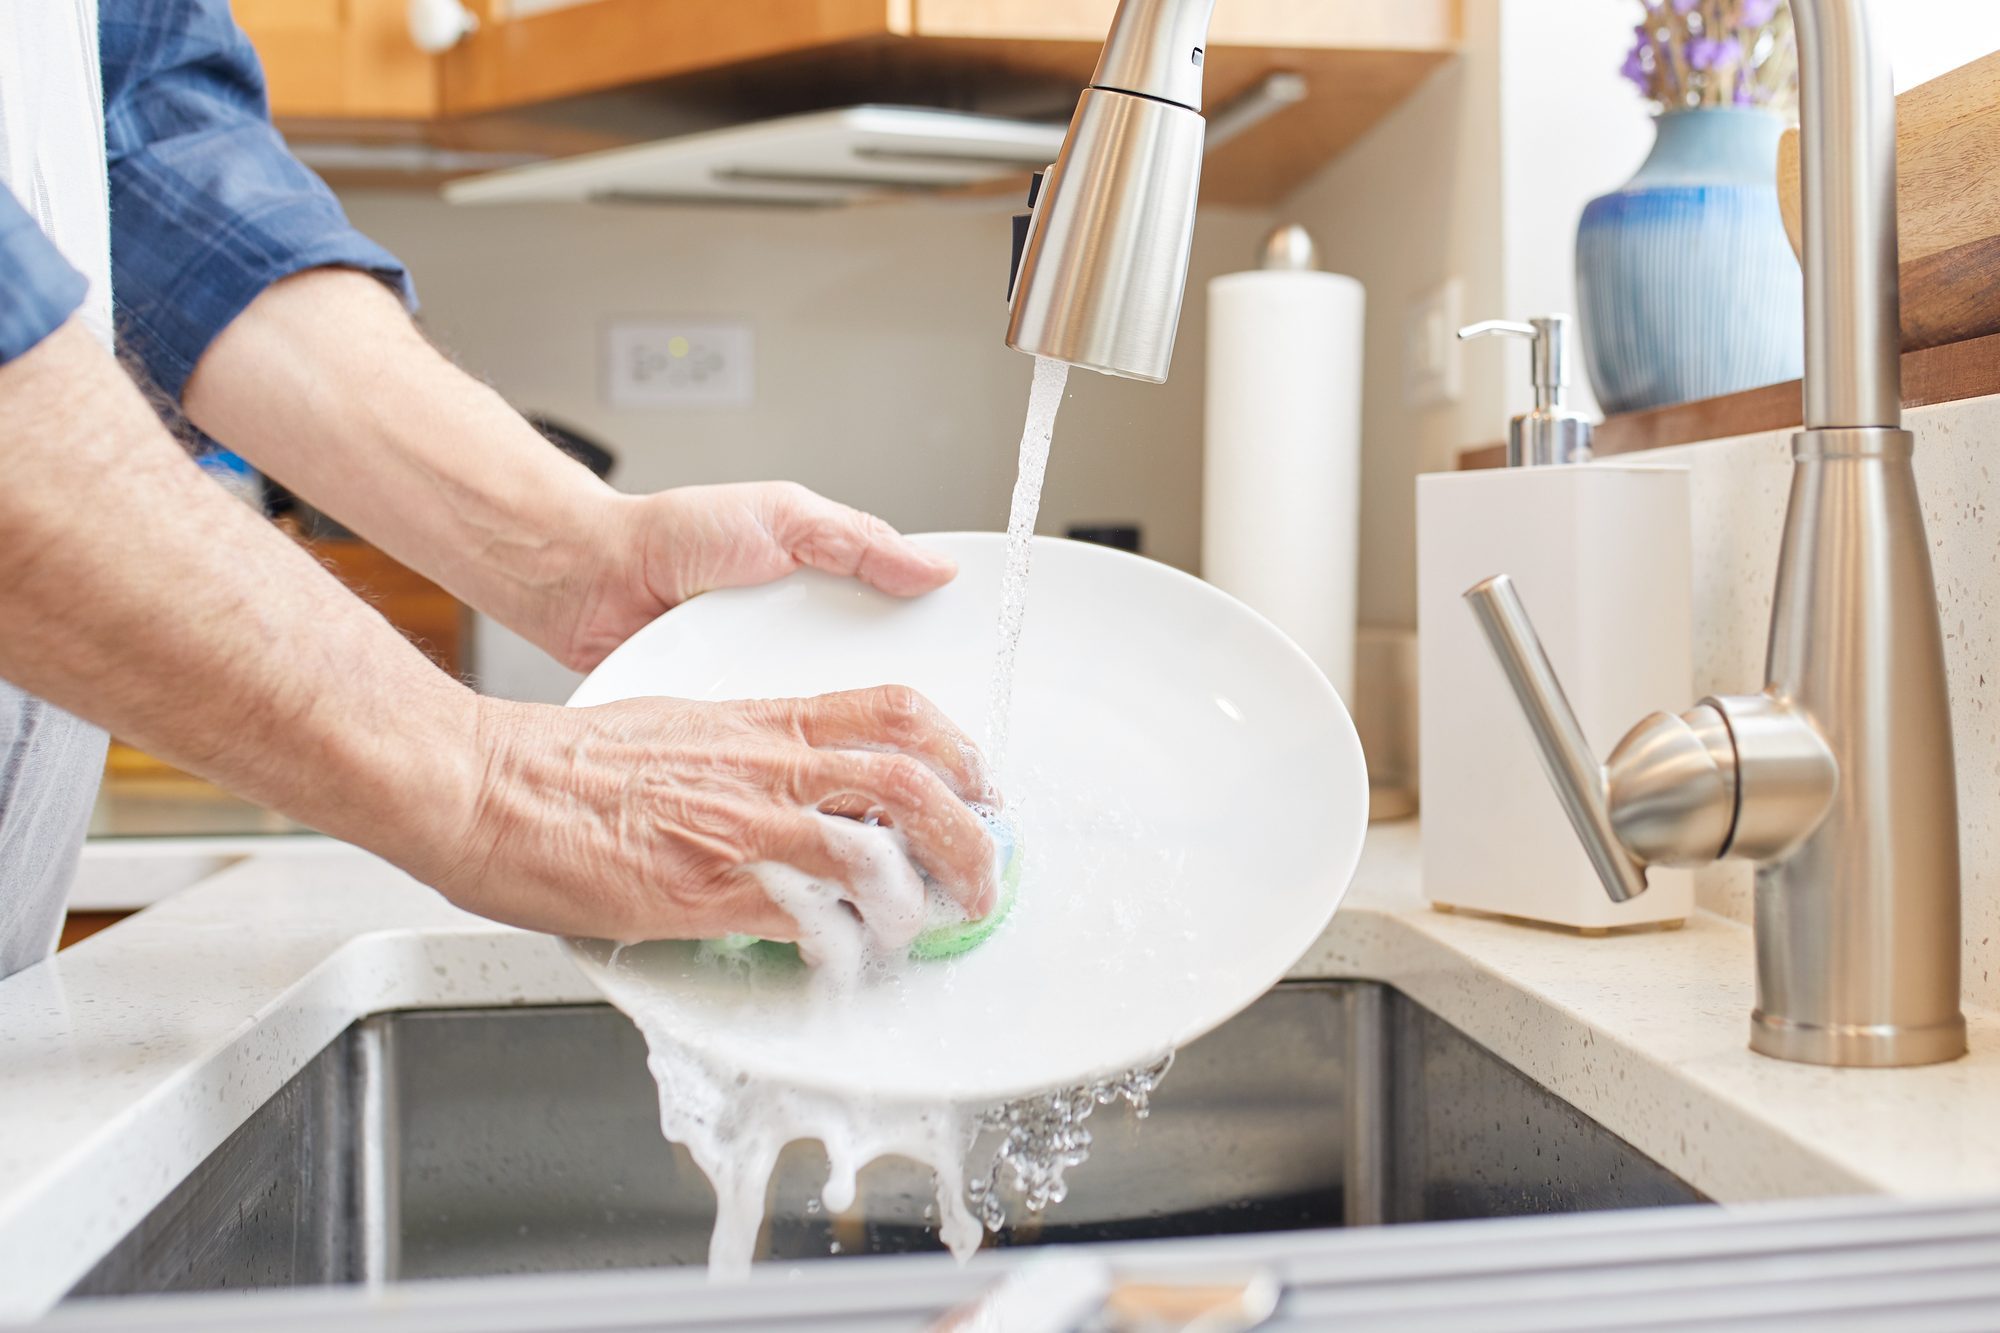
[[470, 1142]]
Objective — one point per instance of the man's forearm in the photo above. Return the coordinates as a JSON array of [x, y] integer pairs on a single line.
[[138, 595], [326, 385]]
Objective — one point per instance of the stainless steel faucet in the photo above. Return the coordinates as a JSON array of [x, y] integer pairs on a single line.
[[1101, 276], [1837, 780]]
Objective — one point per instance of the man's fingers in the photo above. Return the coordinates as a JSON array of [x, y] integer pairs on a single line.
[[830, 536], [943, 834], [895, 718]]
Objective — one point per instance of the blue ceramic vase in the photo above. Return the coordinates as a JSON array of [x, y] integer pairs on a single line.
[[1686, 283]]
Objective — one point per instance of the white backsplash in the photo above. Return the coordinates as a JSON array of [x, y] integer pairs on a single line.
[[1739, 493]]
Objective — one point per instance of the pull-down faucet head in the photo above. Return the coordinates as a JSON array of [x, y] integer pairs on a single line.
[[1106, 259]]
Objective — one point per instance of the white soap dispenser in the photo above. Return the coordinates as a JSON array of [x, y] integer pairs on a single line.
[[1602, 554]]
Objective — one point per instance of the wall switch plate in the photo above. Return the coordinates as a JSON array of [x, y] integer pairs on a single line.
[[679, 363], [1431, 364]]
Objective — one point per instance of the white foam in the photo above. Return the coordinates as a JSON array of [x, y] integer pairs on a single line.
[[735, 1126], [871, 919]]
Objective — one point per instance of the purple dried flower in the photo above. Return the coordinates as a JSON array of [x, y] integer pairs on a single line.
[[1634, 69], [1706, 53], [1696, 53]]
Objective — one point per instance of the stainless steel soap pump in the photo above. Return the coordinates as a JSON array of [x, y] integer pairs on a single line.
[[1551, 433]]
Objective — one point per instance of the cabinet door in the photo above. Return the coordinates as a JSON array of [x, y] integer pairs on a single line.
[[1284, 24], [531, 52], [340, 58]]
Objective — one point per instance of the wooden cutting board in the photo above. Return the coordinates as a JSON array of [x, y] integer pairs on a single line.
[[1948, 203]]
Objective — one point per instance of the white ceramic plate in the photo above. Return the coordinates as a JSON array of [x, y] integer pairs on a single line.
[[1190, 789]]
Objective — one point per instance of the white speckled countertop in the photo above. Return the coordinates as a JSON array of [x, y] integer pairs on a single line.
[[126, 1060]]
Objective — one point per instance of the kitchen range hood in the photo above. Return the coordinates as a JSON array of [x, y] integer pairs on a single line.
[[824, 159], [816, 160]]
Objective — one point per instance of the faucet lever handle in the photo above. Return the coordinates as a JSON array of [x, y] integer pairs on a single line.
[[1582, 784]]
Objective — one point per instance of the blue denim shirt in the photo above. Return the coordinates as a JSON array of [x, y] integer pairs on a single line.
[[207, 206]]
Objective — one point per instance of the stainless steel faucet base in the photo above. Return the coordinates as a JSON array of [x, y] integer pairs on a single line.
[[1837, 780], [1858, 932], [1856, 1046]]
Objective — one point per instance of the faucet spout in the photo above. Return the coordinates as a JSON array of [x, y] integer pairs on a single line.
[[1105, 261], [1847, 116]]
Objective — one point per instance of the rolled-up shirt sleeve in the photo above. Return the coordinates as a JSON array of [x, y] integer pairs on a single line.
[[208, 207], [38, 287]]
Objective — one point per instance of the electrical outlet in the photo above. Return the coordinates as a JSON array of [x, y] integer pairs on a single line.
[[676, 363], [1431, 373]]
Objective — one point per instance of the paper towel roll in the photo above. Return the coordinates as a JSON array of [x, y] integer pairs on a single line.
[[1281, 492]]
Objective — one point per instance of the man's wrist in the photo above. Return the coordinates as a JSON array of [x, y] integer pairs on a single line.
[[589, 555], [434, 790]]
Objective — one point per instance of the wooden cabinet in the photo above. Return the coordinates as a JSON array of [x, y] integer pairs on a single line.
[[341, 59], [427, 615], [564, 49], [530, 76]]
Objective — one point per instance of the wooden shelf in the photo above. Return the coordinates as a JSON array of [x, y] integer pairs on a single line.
[[1947, 374]]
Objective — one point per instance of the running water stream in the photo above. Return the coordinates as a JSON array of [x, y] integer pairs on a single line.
[[1035, 1140], [1044, 401]]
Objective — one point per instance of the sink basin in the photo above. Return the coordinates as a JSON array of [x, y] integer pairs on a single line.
[[471, 1142]]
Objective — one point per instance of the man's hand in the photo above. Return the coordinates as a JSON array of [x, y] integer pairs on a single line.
[[656, 551], [643, 819]]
